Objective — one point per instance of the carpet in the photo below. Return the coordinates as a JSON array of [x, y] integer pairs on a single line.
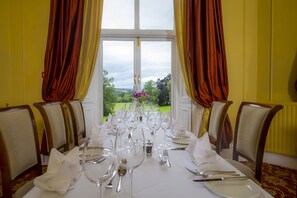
[[278, 181]]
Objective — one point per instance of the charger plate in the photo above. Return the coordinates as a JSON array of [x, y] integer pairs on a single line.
[[234, 188]]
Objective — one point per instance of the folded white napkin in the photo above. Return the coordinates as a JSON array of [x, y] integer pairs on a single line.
[[99, 129], [177, 131], [62, 172], [201, 150]]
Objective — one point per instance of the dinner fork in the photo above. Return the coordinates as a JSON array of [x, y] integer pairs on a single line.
[[211, 172]]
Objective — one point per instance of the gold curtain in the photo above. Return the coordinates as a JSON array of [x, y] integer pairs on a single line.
[[89, 48], [180, 28], [181, 38]]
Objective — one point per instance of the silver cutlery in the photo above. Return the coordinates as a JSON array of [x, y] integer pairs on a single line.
[[166, 157], [109, 185], [211, 172], [221, 179], [122, 170], [162, 162], [178, 148]]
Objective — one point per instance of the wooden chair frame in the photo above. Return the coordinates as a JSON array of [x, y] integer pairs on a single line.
[[7, 181], [74, 119], [263, 134], [217, 141], [48, 129]]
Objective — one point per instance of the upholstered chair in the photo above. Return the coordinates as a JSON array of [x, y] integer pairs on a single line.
[[54, 124], [217, 117], [77, 119], [19, 149], [252, 124]]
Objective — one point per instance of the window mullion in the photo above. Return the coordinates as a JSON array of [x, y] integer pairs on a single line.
[[137, 14], [137, 65]]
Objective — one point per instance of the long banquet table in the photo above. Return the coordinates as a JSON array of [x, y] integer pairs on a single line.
[[152, 180]]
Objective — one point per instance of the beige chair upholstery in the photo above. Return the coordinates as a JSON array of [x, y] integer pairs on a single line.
[[19, 148], [54, 123], [77, 119], [218, 114], [252, 124]]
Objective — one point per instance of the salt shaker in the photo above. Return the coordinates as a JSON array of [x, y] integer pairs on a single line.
[[149, 148]]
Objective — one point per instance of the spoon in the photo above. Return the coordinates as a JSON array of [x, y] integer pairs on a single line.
[[122, 170]]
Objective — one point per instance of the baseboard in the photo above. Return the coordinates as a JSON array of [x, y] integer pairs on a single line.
[[281, 160], [270, 158]]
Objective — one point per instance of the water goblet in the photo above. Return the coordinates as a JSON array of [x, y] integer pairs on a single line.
[[98, 160], [132, 152], [165, 124]]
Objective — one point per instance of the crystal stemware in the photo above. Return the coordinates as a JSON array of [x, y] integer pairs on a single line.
[[165, 124], [99, 160], [132, 152]]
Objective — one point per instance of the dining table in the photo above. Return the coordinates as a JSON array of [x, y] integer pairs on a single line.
[[153, 179]]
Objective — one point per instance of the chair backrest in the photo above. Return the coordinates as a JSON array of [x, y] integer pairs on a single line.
[[54, 123], [19, 147], [217, 117], [77, 120], [252, 124]]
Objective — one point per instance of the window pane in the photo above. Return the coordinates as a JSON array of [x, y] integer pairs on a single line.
[[118, 62], [155, 60], [156, 14], [118, 14]]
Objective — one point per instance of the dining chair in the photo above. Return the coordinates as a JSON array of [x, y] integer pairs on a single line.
[[19, 149], [251, 128], [77, 119], [54, 124], [217, 117]]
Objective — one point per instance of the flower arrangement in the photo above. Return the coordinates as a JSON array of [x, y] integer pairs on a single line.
[[141, 96]]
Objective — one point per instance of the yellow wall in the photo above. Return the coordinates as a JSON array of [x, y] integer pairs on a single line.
[[262, 64], [23, 36]]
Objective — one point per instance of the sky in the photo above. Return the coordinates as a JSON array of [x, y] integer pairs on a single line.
[[118, 58]]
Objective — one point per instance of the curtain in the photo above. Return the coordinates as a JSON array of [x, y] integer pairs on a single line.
[[89, 48], [204, 55], [62, 50]]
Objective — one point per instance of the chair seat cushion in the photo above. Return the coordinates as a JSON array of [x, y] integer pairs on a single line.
[[244, 169]]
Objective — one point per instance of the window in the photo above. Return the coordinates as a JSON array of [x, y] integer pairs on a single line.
[[136, 46]]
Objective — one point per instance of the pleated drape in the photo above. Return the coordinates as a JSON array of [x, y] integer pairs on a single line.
[[89, 47], [203, 55], [62, 50]]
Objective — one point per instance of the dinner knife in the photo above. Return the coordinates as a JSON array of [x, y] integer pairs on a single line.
[[178, 148], [220, 179]]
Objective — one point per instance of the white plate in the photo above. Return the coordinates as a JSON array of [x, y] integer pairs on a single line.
[[182, 141], [235, 188]]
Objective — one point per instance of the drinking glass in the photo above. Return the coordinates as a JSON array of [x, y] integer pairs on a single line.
[[132, 152], [98, 160], [131, 118], [165, 124], [154, 124]]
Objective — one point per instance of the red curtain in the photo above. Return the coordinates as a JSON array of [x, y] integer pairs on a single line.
[[206, 55], [62, 50]]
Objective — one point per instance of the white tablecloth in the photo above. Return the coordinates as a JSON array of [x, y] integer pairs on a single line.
[[151, 180]]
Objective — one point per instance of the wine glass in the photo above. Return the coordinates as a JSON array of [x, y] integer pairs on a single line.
[[131, 118], [132, 152], [98, 160], [165, 124], [154, 124]]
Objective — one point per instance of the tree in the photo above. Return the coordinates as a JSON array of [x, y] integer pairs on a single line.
[[109, 96], [164, 87], [150, 88]]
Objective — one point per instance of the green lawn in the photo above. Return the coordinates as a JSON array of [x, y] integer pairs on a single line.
[[121, 105]]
